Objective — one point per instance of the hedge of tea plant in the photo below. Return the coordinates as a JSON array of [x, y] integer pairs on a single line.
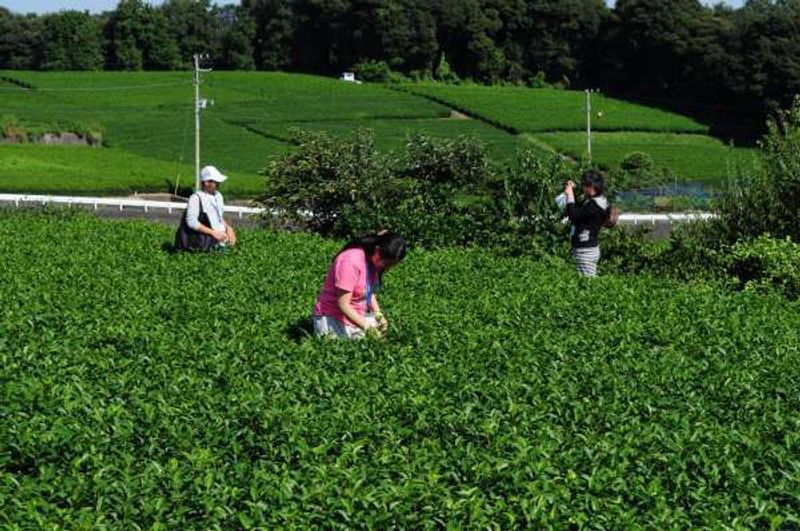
[[147, 390]]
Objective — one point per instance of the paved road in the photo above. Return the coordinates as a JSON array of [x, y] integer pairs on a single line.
[[154, 215], [164, 217]]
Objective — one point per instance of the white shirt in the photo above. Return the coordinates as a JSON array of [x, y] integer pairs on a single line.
[[213, 206]]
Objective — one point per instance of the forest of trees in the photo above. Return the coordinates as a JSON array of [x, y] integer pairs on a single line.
[[741, 63]]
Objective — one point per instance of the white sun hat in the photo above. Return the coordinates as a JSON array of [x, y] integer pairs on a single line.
[[210, 173]]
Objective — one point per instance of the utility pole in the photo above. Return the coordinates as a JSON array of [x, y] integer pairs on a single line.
[[589, 93], [199, 105], [589, 124]]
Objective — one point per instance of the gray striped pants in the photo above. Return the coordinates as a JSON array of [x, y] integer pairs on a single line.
[[586, 260]]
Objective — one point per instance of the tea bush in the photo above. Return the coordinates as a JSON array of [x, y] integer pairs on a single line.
[[146, 390]]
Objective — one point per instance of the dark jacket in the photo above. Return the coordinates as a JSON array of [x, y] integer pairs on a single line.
[[587, 218]]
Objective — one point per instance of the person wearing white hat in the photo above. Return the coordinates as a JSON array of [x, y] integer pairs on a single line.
[[206, 209]]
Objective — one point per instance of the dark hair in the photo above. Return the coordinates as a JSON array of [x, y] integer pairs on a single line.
[[594, 179], [390, 246]]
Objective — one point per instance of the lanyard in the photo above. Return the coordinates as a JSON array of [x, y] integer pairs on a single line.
[[370, 287]]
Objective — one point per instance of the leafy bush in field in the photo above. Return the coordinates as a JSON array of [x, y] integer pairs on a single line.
[[443, 192], [539, 81], [628, 250], [316, 186], [452, 163], [638, 163], [444, 72], [692, 253], [526, 204], [767, 265], [762, 203], [766, 197], [147, 390], [636, 170], [442, 205]]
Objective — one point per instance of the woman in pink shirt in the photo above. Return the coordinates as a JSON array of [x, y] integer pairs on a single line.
[[347, 306]]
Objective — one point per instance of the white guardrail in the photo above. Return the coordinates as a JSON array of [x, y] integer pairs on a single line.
[[146, 206], [637, 219], [122, 204]]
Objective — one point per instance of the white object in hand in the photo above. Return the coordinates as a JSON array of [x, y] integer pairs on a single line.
[[561, 201]]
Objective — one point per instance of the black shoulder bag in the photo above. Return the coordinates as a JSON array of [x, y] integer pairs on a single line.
[[188, 239]]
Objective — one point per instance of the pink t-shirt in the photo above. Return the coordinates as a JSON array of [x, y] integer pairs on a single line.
[[348, 273]]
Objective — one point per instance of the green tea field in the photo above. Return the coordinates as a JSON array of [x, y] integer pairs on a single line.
[[539, 110], [141, 389], [146, 121]]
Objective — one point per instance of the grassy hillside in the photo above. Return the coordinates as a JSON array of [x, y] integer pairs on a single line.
[[149, 115], [139, 391]]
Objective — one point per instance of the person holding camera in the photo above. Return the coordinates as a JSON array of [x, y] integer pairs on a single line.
[[587, 217], [203, 227], [347, 306]]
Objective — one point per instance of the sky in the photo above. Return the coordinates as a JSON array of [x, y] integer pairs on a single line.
[[46, 6]]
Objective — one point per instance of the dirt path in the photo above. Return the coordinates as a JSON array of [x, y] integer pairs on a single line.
[[456, 115]]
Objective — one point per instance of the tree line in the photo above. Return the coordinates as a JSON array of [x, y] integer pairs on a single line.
[[738, 63]]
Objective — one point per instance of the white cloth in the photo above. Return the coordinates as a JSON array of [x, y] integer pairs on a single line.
[[327, 326], [213, 206]]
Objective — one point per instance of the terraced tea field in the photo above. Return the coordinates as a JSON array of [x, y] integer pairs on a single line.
[[150, 115], [557, 118], [142, 389]]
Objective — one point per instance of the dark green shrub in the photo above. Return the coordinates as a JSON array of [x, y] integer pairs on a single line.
[[767, 265], [531, 219], [445, 73], [628, 250], [765, 198], [316, 186], [445, 203], [694, 252], [539, 81], [457, 163], [637, 170], [690, 253], [345, 187], [442, 193], [377, 72], [638, 162]]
